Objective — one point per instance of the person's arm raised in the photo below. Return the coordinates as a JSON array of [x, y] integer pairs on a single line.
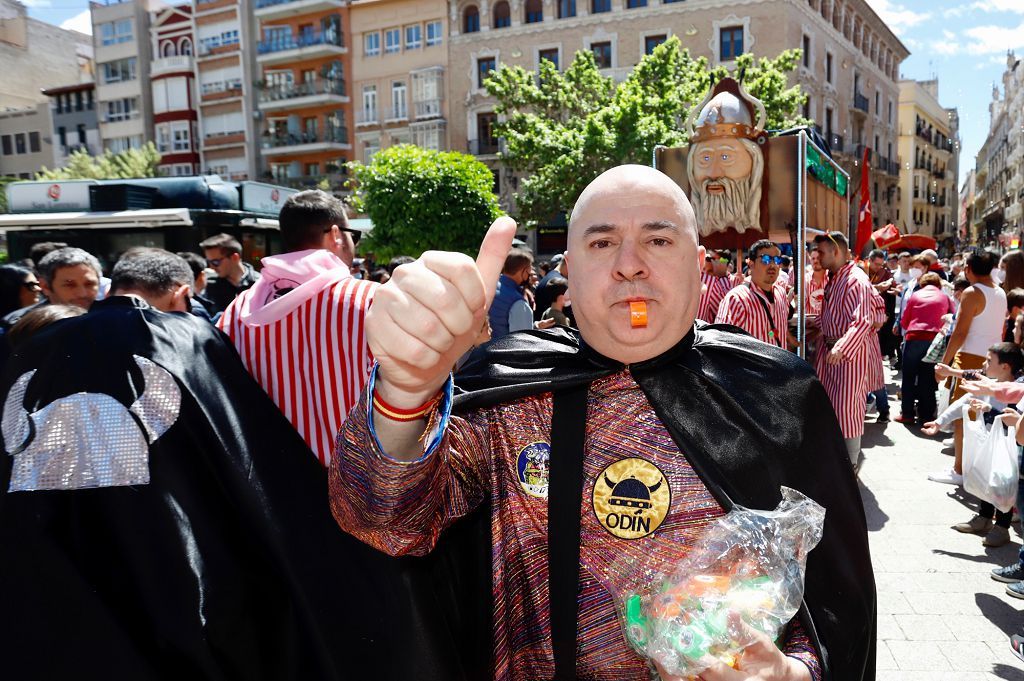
[[421, 322]]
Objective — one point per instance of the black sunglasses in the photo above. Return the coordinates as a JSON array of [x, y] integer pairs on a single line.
[[356, 235], [214, 262], [32, 286]]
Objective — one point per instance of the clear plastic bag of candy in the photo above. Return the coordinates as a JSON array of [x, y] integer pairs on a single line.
[[746, 571]]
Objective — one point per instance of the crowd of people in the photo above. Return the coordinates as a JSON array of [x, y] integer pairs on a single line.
[[358, 357]]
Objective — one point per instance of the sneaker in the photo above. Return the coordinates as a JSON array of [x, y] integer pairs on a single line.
[[907, 420], [870, 408], [1017, 645], [996, 537], [1009, 574], [1016, 589], [976, 525], [949, 477], [948, 442], [883, 418]]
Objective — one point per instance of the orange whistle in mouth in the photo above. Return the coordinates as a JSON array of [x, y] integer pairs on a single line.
[[638, 314]]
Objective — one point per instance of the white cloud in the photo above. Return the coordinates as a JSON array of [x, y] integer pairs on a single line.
[[1015, 6], [994, 39], [36, 3], [898, 17], [81, 22]]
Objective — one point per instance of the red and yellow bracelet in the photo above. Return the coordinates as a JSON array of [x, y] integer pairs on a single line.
[[404, 415]]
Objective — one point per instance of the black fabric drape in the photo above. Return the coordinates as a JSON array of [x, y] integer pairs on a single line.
[[750, 418]]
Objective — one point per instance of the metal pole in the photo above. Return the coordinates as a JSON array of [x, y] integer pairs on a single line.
[[800, 247]]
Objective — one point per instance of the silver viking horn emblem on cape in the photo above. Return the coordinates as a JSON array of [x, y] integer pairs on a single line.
[[88, 439]]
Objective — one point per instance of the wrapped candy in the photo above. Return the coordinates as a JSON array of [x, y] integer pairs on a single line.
[[748, 571]]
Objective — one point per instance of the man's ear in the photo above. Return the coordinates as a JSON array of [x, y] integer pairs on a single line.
[[701, 254], [180, 299]]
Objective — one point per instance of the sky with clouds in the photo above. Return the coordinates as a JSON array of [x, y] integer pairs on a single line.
[[962, 42]]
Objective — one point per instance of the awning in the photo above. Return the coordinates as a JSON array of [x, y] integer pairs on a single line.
[[147, 219], [259, 223]]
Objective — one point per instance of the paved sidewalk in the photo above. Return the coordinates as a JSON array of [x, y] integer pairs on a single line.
[[940, 616]]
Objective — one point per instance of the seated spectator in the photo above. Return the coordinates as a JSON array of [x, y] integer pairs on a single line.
[[1003, 362], [556, 290], [921, 322]]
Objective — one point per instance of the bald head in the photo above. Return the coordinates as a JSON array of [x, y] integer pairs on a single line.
[[627, 183], [632, 240]]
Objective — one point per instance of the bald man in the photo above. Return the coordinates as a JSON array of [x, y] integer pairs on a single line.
[[548, 423]]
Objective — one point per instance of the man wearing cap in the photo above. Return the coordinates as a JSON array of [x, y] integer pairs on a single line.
[[299, 330], [547, 419]]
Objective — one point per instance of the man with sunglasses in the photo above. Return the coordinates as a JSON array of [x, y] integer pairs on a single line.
[[299, 330], [224, 256], [760, 306], [715, 282]]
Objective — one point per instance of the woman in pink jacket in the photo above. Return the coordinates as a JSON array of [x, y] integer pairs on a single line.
[[922, 322]]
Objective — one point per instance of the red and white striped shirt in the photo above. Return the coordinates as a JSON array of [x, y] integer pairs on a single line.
[[815, 292], [313, 361], [712, 291], [745, 306], [847, 324]]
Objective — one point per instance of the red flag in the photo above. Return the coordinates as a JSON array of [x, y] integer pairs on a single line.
[[864, 221]]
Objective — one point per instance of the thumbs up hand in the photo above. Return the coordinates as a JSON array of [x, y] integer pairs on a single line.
[[429, 314]]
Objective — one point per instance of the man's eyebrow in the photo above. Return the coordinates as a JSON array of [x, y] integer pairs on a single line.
[[660, 224], [600, 228]]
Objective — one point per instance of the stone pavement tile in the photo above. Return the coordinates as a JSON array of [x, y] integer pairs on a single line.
[[884, 659], [924, 627], [1001, 654], [968, 656], [889, 629], [975, 628], [918, 656], [888, 675], [949, 604], [894, 603]]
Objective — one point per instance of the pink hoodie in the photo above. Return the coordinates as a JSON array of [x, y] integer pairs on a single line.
[[299, 274]]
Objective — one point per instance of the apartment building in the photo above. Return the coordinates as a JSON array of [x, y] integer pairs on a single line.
[[225, 70], [400, 64], [26, 141], [121, 42], [998, 208], [37, 55], [928, 144], [172, 83], [75, 123], [850, 67], [302, 97]]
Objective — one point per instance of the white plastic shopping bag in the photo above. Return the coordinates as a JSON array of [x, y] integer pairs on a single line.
[[991, 468], [942, 398]]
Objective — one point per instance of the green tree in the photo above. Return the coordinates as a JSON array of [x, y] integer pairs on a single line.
[[563, 129], [123, 165], [420, 199], [4, 181]]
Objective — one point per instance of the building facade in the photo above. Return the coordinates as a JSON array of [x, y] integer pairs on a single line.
[[36, 55], [929, 146], [302, 94], [225, 72], [850, 66], [26, 141], [173, 87], [75, 123], [998, 208], [400, 63]]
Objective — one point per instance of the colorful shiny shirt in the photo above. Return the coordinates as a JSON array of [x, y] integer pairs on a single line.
[[502, 453]]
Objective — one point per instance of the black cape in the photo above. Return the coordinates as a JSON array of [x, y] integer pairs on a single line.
[[750, 418], [228, 563]]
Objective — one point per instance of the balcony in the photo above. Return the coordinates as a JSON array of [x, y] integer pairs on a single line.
[[860, 102], [178, 64], [429, 108], [298, 95], [836, 143], [484, 147], [221, 90], [939, 174], [367, 117], [68, 149], [207, 50], [118, 118], [336, 180], [398, 114], [306, 45], [305, 142], [283, 9], [219, 140], [203, 6]]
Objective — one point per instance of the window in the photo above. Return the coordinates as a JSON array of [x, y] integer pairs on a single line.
[[33, 142], [413, 37], [652, 41], [186, 47], [371, 149], [168, 49], [551, 54], [62, 135], [370, 103], [828, 123], [118, 71], [60, 104], [5, 145], [878, 102], [487, 139], [534, 11], [566, 9], [181, 137], [114, 32], [502, 15], [600, 6], [88, 100], [890, 112], [121, 109], [163, 139], [392, 41], [807, 51], [311, 126], [471, 20], [633, 4], [434, 34], [730, 42], [19, 143], [371, 44], [828, 67], [602, 54], [312, 169], [484, 66], [807, 108], [399, 101]]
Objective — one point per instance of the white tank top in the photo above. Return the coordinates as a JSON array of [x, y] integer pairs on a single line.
[[987, 328]]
